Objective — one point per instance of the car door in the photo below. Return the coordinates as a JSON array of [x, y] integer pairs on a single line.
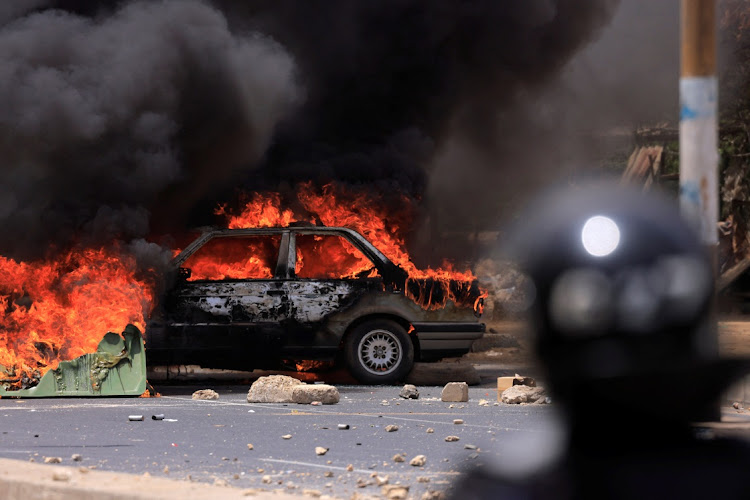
[[330, 274], [227, 308]]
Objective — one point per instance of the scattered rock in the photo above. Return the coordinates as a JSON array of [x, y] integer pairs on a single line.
[[61, 476], [520, 380], [451, 439], [52, 460], [484, 402], [76, 457], [166, 469], [430, 430], [307, 393], [522, 394], [391, 428], [220, 482], [381, 480], [398, 458], [249, 446], [418, 461], [455, 392], [433, 495], [206, 394], [266, 480], [319, 450], [736, 405], [312, 493], [423, 479], [458, 421], [395, 492], [272, 389], [316, 403], [328, 474], [361, 483], [409, 391], [286, 436], [349, 468], [470, 447]]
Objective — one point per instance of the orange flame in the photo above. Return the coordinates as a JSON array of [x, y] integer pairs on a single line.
[[369, 214], [59, 309]]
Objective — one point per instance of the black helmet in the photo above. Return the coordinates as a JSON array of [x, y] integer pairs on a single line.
[[621, 293]]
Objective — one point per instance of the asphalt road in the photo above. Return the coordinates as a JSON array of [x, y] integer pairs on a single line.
[[207, 440]]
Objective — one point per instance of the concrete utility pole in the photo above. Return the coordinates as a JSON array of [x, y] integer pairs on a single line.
[[699, 159]]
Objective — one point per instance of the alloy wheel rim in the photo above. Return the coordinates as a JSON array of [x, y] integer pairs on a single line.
[[379, 352]]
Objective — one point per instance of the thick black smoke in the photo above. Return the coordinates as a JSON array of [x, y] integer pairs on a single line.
[[110, 116], [117, 116]]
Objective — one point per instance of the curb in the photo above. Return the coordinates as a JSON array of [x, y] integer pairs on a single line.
[[30, 481]]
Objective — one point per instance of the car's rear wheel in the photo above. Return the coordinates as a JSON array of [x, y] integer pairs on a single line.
[[379, 352]]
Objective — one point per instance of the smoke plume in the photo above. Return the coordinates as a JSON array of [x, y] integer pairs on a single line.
[[119, 118], [104, 117]]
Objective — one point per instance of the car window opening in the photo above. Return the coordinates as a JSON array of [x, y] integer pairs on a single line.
[[248, 257], [331, 257]]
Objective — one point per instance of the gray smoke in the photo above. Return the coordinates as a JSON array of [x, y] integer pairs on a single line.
[[103, 118]]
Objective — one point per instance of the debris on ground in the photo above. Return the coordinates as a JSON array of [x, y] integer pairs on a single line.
[[319, 450], [76, 457], [736, 405], [349, 468], [504, 383], [398, 458], [423, 479], [307, 393], [430, 430], [458, 421], [286, 436], [409, 391], [272, 389], [381, 480], [518, 394], [206, 394], [455, 392], [312, 493], [433, 495], [418, 461], [135, 418], [249, 446], [484, 402], [52, 460], [451, 439], [391, 428], [343, 427], [395, 492]]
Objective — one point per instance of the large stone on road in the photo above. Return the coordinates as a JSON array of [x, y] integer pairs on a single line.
[[272, 389], [522, 394], [305, 394], [442, 373], [455, 392]]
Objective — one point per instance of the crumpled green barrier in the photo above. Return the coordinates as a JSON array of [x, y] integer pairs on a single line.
[[117, 368]]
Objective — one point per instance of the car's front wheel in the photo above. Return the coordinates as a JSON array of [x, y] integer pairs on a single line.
[[379, 352]]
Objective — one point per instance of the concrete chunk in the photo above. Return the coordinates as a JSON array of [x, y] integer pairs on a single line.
[[522, 394], [305, 394], [273, 389], [455, 392]]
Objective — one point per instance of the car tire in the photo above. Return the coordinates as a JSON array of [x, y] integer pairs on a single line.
[[379, 352]]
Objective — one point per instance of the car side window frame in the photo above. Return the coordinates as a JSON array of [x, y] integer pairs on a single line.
[[280, 270], [292, 261]]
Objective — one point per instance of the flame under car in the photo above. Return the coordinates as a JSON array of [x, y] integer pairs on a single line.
[[251, 298]]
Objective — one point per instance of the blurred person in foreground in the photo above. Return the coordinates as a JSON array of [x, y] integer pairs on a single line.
[[621, 313]]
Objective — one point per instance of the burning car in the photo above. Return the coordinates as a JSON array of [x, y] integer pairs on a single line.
[[254, 298]]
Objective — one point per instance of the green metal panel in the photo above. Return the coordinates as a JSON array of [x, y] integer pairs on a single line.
[[117, 368]]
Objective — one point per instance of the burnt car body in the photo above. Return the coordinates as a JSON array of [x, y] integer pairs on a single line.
[[367, 320]]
